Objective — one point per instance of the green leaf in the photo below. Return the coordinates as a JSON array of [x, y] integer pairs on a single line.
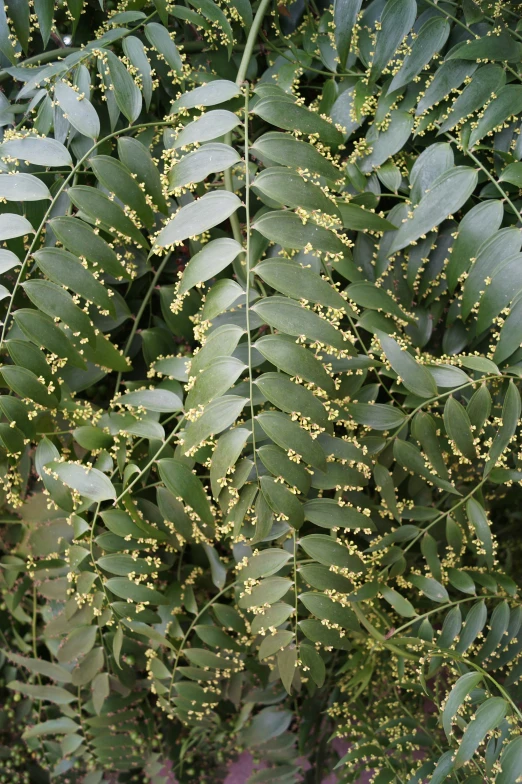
[[328, 513], [210, 94], [511, 762], [367, 295], [345, 17], [431, 164], [199, 164], [159, 400], [185, 485], [78, 643], [89, 482], [492, 254], [198, 217], [399, 603], [512, 174], [53, 694], [45, 12], [505, 286], [487, 81], [288, 316], [159, 37], [447, 195], [448, 77], [290, 436], [125, 564], [42, 331], [415, 377], [61, 726], [328, 552], [510, 333], [217, 416], [282, 501], [267, 724], [40, 667], [298, 282], [108, 213], [285, 149], [135, 51], [209, 261], [27, 385], [499, 623], [479, 521], [314, 664], [8, 260], [458, 428], [220, 342], [461, 581], [206, 128], [431, 38], [268, 591], [378, 416], [65, 269], [290, 116], [126, 92], [507, 103], [121, 524], [511, 411], [477, 226], [356, 218], [22, 187], [410, 458], [288, 230], [397, 20], [83, 242], [264, 564], [138, 160], [488, 717], [117, 179], [78, 110], [501, 46], [318, 633], [279, 464], [274, 616], [214, 13], [292, 398], [479, 407], [289, 188], [327, 609], [214, 381], [430, 588], [294, 360], [134, 592], [92, 437], [12, 226], [456, 698], [52, 300]]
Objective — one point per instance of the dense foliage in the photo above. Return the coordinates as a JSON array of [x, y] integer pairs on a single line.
[[261, 359]]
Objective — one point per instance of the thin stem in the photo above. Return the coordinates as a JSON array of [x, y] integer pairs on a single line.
[[151, 462], [248, 279], [296, 626], [140, 313], [441, 9], [251, 40], [41, 59], [442, 395], [486, 171], [35, 647], [192, 624], [74, 170]]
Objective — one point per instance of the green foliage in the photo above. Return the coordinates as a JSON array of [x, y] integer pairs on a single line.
[[261, 360]]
